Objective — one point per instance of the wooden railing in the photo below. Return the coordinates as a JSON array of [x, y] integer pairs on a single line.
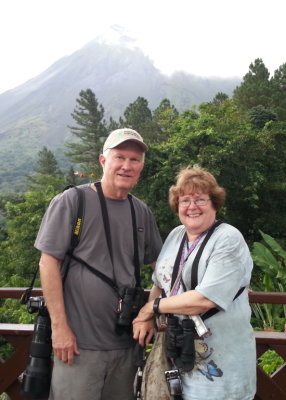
[[19, 336]]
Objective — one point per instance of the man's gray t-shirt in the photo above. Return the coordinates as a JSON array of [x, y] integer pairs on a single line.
[[91, 304]]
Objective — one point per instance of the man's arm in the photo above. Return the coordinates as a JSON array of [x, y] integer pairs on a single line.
[[144, 331], [63, 339]]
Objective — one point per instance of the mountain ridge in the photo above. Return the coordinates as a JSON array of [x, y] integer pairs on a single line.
[[38, 112]]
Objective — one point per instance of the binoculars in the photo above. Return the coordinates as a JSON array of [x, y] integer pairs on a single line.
[[180, 342], [130, 304]]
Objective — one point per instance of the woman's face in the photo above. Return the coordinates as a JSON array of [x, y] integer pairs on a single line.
[[196, 212]]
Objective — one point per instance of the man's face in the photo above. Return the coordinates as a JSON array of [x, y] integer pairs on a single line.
[[121, 168]]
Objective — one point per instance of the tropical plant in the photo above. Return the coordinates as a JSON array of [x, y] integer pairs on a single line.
[[270, 361], [270, 276]]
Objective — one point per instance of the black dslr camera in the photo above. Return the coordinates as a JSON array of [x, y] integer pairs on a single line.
[[132, 300], [37, 377], [174, 382]]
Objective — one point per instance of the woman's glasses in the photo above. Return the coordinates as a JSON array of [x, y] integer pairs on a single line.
[[186, 202]]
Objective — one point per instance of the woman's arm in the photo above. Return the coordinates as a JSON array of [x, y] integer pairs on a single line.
[[187, 303]]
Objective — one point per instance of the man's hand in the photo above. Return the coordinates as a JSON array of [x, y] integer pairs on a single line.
[[64, 344], [143, 331]]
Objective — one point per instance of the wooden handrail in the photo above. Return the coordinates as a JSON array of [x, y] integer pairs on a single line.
[[267, 297], [20, 336], [16, 293]]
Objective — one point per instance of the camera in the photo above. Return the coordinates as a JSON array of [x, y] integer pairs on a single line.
[[201, 329], [37, 377], [132, 300], [174, 382]]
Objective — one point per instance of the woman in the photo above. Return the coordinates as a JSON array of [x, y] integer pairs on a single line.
[[225, 358]]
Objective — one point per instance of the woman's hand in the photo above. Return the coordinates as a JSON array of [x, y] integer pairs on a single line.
[[146, 313]]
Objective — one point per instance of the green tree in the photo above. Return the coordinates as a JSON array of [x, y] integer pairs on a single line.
[[250, 167], [90, 131], [220, 97], [47, 167], [164, 116], [47, 163], [259, 116], [18, 257], [138, 116], [255, 89], [278, 82]]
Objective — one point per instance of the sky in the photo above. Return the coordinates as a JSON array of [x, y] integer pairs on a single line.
[[203, 37]]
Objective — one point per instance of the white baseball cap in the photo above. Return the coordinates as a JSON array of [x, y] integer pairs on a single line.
[[115, 138]]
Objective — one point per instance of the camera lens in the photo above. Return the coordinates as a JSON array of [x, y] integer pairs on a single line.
[[37, 377]]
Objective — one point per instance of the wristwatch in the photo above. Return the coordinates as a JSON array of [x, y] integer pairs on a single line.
[[156, 305]]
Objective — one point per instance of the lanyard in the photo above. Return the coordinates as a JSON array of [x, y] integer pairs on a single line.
[[185, 253], [177, 272]]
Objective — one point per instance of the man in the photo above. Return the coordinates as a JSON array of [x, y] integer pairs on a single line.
[[92, 361]]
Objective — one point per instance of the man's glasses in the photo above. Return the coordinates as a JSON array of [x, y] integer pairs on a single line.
[[184, 203]]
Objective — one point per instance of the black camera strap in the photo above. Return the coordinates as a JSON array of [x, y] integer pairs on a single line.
[[106, 224], [194, 273], [194, 276], [76, 231], [108, 234], [77, 227]]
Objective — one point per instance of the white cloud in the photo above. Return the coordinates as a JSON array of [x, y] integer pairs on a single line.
[[203, 37]]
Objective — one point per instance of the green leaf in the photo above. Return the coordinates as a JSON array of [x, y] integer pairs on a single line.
[[274, 245], [263, 257]]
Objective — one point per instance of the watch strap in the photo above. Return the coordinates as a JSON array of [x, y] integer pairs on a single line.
[[156, 305]]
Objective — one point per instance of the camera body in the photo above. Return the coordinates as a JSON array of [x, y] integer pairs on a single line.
[[37, 304], [174, 381], [132, 300], [37, 377], [201, 329]]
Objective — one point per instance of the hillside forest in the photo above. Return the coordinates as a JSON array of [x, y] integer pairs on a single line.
[[241, 140]]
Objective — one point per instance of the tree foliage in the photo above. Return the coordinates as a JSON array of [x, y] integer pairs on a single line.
[[17, 253], [239, 140], [47, 168], [259, 116], [164, 116], [278, 82], [250, 167], [258, 89], [90, 130], [255, 89]]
